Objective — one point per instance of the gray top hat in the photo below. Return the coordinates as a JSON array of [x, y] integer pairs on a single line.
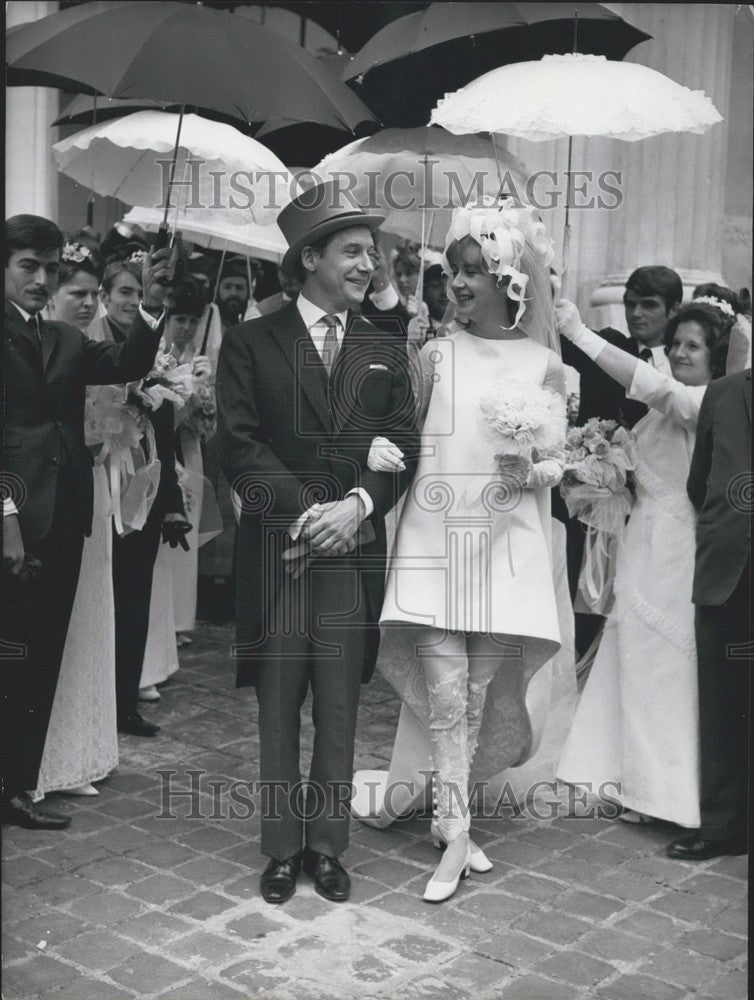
[[317, 212]]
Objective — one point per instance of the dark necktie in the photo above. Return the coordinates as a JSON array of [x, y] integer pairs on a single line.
[[33, 324], [330, 347], [646, 355]]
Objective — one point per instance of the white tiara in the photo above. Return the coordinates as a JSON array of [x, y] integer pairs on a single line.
[[720, 304]]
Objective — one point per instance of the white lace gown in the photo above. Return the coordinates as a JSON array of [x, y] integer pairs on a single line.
[[636, 729], [82, 739], [465, 558]]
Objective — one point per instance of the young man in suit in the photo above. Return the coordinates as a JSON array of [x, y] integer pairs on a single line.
[[48, 480], [719, 486], [301, 393], [652, 297]]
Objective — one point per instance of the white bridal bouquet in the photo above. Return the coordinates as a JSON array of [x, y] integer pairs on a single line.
[[525, 420]]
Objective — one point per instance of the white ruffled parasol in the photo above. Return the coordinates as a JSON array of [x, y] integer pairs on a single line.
[[233, 177], [561, 96]]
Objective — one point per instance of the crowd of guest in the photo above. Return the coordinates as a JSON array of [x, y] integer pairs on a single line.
[[120, 485]]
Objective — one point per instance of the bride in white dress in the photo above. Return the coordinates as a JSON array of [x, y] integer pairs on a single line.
[[469, 589], [635, 736], [82, 740]]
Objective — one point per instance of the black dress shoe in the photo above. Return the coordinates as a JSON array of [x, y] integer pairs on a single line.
[[694, 847], [330, 877], [136, 725], [278, 880], [21, 811]]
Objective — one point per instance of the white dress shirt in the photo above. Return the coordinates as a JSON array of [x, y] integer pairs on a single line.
[[313, 317]]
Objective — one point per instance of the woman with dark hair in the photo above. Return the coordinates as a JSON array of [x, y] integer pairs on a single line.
[[635, 737], [82, 740], [406, 267], [76, 297]]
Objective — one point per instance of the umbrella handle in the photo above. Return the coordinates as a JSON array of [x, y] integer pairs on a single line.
[[172, 166]]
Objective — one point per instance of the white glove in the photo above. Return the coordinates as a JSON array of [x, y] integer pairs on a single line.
[[567, 319], [384, 456], [569, 325], [546, 473]]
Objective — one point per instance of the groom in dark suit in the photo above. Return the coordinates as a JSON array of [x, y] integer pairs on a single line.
[[47, 487], [719, 487], [301, 393]]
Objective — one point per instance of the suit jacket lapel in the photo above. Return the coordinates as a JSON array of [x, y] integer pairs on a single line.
[[292, 337], [15, 321]]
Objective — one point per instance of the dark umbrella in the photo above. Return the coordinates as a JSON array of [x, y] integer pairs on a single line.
[[86, 110], [409, 65], [352, 24], [180, 54]]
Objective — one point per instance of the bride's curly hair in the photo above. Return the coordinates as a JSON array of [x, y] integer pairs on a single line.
[[716, 332]]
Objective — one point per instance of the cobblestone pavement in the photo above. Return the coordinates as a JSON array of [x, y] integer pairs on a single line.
[[127, 904]]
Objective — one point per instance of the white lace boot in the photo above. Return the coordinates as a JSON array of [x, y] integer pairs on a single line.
[[480, 863], [451, 808]]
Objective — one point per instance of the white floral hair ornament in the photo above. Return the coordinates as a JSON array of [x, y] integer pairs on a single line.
[[503, 231], [721, 304], [75, 253], [137, 257]]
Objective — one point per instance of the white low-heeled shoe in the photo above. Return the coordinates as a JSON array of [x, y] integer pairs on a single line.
[[480, 863], [149, 693], [87, 789], [437, 891]]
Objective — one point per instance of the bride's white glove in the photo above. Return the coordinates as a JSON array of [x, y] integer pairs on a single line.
[[546, 473], [384, 456], [515, 469], [569, 325]]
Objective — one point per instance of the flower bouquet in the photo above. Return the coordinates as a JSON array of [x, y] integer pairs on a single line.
[[202, 420], [118, 427], [598, 489], [525, 420], [167, 380]]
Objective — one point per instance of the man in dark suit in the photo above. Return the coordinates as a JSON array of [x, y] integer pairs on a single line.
[[301, 393], [652, 297], [47, 470], [290, 286], [719, 486]]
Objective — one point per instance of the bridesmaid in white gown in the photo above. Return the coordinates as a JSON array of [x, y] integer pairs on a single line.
[[635, 736], [470, 577], [82, 740]]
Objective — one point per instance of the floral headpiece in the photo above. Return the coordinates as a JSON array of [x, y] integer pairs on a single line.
[[76, 253], [721, 304], [503, 230], [137, 257]]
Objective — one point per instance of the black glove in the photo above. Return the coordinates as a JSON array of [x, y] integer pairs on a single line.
[[175, 533]]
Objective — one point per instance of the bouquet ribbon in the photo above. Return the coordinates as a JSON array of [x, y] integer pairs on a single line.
[[604, 513], [134, 479]]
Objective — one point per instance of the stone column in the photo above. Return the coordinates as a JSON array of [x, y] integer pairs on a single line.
[[31, 179], [673, 185]]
